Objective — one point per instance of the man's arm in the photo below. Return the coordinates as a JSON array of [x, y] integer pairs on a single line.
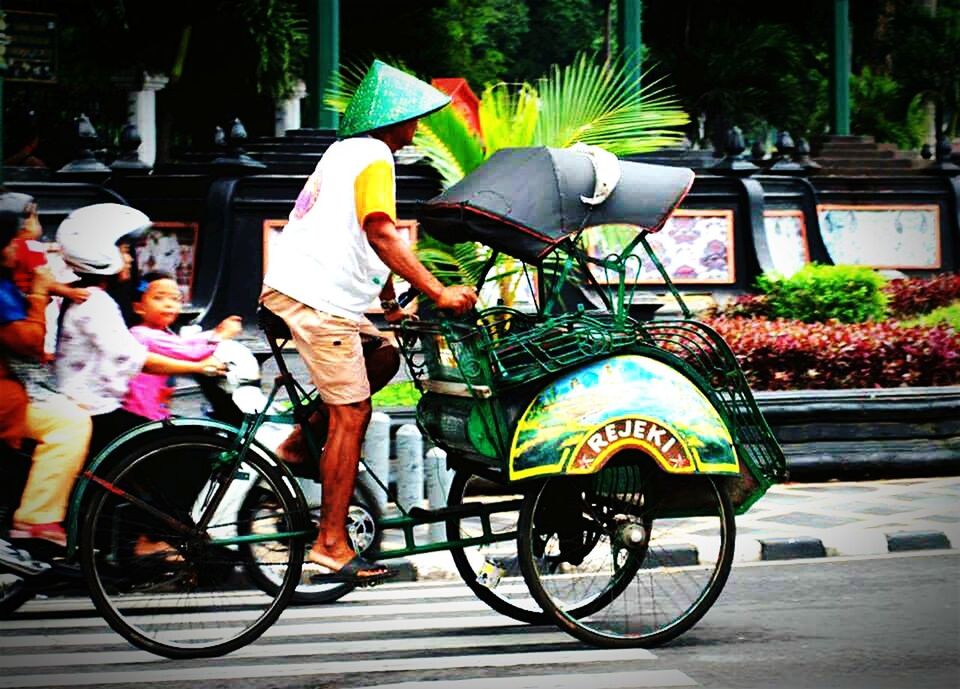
[[386, 240], [393, 250]]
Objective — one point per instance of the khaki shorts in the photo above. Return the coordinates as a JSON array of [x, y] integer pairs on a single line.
[[332, 347]]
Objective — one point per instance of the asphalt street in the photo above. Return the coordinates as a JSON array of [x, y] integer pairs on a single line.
[[870, 622]]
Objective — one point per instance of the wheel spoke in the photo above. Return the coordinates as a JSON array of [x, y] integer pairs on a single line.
[[161, 584], [491, 571], [641, 560]]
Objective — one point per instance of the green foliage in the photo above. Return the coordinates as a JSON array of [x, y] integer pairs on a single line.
[[481, 36], [924, 50], [818, 293], [448, 145], [877, 109], [945, 315], [750, 75], [400, 394], [508, 116], [598, 103], [573, 26], [280, 37]]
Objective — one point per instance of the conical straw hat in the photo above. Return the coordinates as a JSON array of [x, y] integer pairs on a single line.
[[388, 96]]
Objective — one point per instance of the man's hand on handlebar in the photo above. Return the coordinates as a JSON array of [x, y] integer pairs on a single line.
[[457, 298]]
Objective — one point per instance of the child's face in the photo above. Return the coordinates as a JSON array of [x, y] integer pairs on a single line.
[[160, 304]]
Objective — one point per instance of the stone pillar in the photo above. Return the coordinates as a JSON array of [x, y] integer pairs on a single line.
[[142, 111], [287, 115]]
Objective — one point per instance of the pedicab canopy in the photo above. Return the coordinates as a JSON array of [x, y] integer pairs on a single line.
[[524, 201]]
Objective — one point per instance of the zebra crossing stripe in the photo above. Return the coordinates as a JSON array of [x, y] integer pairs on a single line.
[[183, 617], [393, 592], [209, 671], [311, 648], [318, 629], [610, 680]]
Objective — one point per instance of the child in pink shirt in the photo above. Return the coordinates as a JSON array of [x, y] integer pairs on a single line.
[[158, 304]]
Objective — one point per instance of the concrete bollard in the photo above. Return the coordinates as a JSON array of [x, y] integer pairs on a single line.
[[438, 478], [376, 453], [409, 448]]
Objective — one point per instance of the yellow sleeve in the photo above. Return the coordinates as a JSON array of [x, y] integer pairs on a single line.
[[373, 191]]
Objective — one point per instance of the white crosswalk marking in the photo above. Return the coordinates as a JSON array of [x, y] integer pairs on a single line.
[[421, 636]]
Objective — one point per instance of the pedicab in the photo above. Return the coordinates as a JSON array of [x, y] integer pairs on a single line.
[[599, 459]]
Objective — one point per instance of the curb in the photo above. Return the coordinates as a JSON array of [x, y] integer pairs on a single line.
[[761, 549], [917, 540], [791, 548], [808, 547]]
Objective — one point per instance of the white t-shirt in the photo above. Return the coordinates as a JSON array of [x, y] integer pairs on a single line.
[[97, 356], [322, 258]]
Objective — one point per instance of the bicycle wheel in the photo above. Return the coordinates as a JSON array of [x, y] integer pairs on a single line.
[[633, 558], [188, 602], [362, 519], [491, 571]]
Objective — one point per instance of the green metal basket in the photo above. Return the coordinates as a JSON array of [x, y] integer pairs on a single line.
[[698, 348], [504, 348]]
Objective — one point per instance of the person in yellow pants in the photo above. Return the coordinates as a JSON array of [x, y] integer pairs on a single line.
[[62, 431], [60, 427]]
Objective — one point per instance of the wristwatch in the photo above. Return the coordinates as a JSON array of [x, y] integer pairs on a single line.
[[388, 305]]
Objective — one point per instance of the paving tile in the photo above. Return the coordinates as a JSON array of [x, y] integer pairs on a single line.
[[810, 519], [880, 510], [945, 518]]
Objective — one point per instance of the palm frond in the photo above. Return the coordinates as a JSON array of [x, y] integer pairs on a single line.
[[508, 116], [449, 146], [343, 84], [599, 103]]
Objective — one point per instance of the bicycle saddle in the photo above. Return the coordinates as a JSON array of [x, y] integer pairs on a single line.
[[272, 325]]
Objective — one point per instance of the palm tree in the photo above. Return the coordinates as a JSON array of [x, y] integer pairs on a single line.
[[587, 101]]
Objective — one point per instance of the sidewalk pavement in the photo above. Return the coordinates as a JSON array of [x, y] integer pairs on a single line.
[[803, 520]]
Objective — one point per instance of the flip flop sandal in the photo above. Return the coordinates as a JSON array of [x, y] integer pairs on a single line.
[[350, 573]]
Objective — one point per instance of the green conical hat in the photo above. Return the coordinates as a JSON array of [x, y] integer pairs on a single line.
[[388, 96]]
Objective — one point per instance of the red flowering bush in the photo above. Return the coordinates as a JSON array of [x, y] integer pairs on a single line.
[[912, 296], [791, 355]]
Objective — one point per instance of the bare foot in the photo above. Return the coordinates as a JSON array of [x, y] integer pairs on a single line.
[[335, 564], [145, 547]]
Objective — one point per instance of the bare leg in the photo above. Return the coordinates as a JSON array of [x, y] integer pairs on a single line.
[[382, 365], [338, 466]]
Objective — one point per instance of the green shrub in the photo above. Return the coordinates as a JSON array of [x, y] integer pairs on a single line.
[[945, 315], [818, 293], [400, 394]]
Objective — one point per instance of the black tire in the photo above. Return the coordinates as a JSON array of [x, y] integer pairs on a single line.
[[14, 593], [362, 527], [638, 564], [507, 594], [133, 592]]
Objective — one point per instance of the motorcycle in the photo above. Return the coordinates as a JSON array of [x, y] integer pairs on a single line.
[[32, 568]]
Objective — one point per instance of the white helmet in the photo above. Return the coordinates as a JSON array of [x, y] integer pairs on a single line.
[[88, 236]]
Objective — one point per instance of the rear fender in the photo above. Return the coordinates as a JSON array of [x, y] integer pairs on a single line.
[[580, 420]]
